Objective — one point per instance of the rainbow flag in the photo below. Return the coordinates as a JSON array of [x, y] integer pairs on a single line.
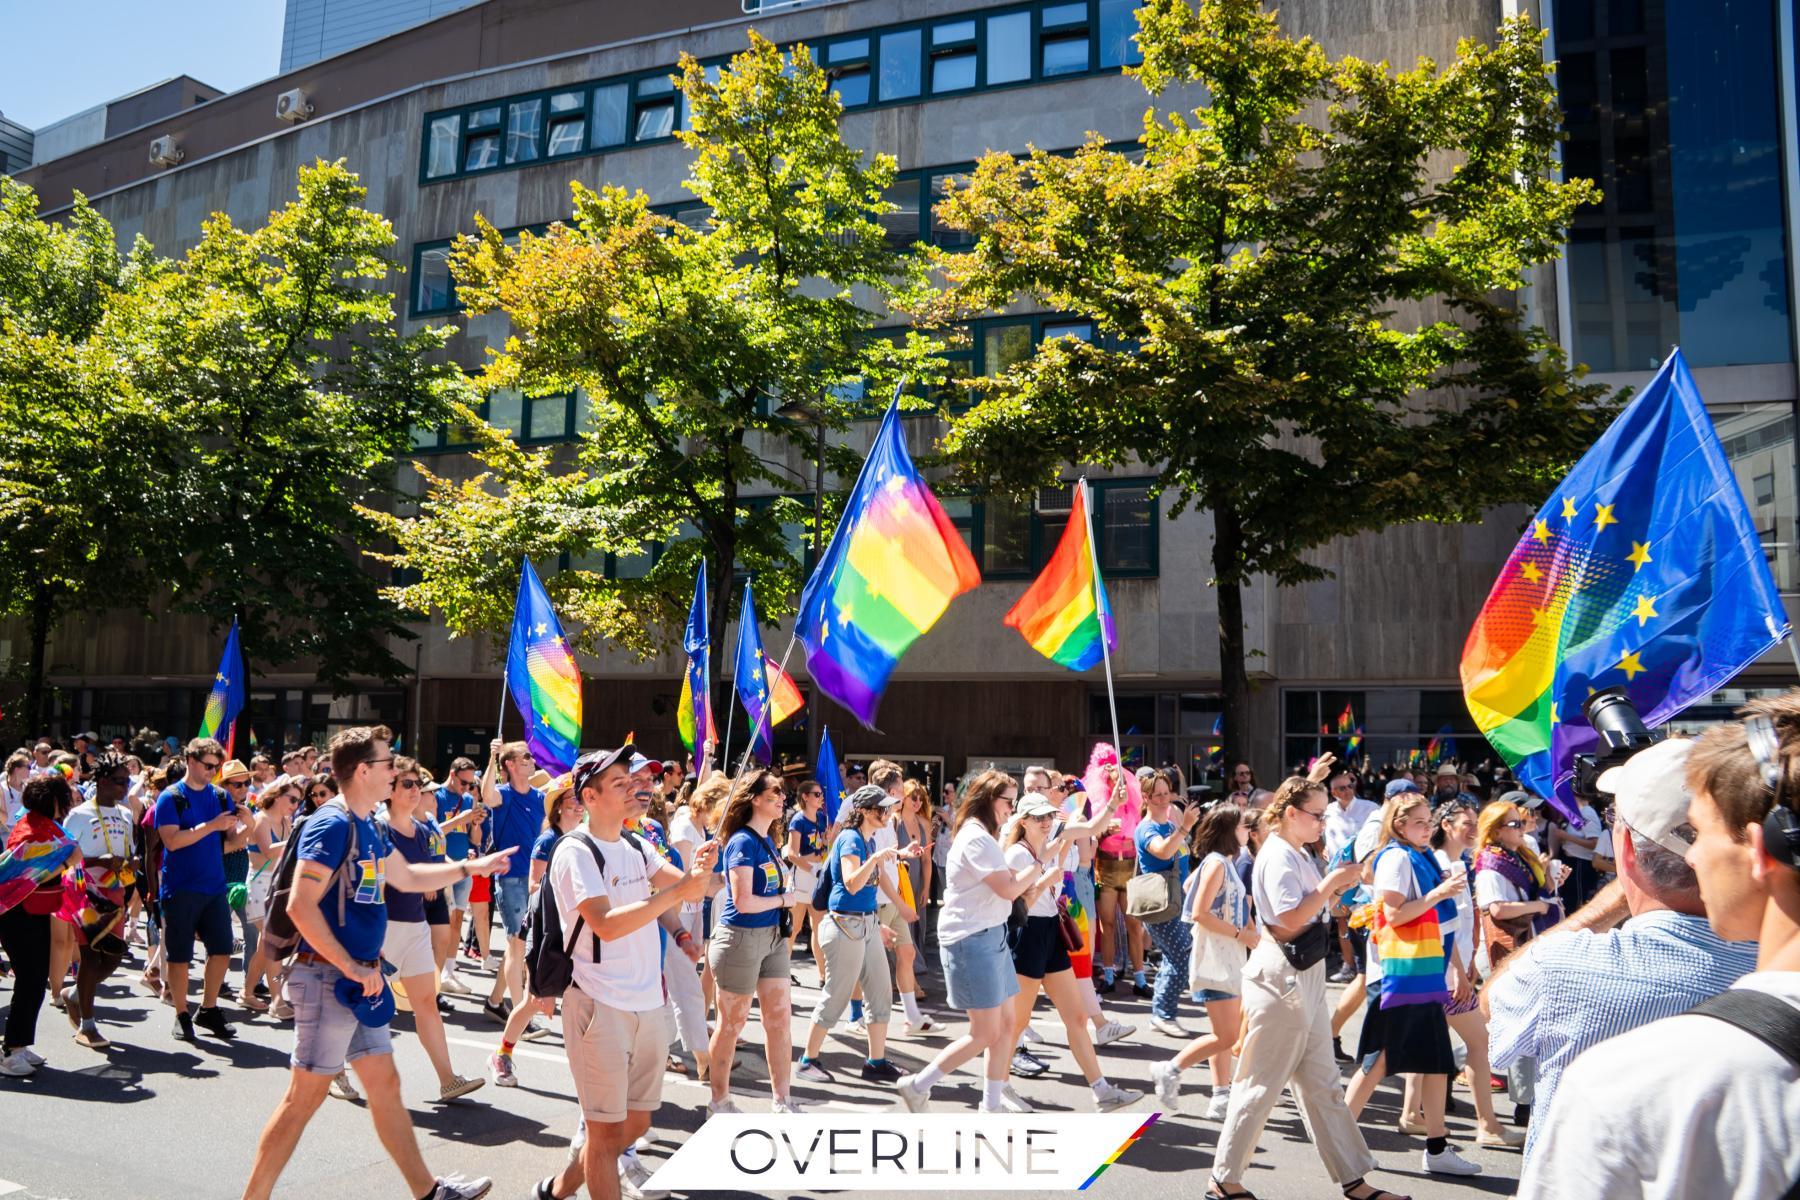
[[1643, 571], [1440, 747], [1064, 614], [894, 564], [784, 696], [694, 718], [29, 865], [226, 699], [540, 670]]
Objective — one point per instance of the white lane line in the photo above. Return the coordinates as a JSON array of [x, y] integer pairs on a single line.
[[518, 1051], [7, 1187]]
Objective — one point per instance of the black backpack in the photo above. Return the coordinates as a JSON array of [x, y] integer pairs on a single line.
[[549, 956], [279, 936], [821, 897]]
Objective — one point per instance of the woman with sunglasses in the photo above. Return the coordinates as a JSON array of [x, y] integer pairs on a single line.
[[407, 943], [274, 822], [1287, 1019]]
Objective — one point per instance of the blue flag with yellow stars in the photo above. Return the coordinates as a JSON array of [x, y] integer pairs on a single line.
[[831, 780], [1643, 571], [751, 678]]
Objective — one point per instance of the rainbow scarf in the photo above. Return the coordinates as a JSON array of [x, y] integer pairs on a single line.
[[1413, 959], [29, 865]]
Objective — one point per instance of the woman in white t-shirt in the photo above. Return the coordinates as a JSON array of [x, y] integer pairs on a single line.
[[1040, 952], [979, 889], [1287, 1020]]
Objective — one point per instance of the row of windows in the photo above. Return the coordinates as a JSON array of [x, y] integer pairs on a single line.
[[528, 420], [901, 64]]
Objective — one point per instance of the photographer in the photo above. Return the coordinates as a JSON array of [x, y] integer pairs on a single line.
[[1696, 1104], [1597, 975]]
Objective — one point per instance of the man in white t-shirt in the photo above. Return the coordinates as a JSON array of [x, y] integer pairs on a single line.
[[613, 1025], [1695, 1105]]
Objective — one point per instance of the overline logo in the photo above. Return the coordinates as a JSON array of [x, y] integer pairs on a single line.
[[893, 1151]]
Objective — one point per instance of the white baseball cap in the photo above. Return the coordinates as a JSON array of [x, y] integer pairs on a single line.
[[1650, 794]]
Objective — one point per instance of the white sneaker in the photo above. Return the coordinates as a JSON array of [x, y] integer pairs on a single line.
[[925, 1025], [1219, 1105], [1031, 1035], [1166, 1078], [451, 984], [1449, 1163], [17, 1065], [31, 1056], [343, 1089], [789, 1105], [1172, 1028], [1113, 1031], [1114, 1097], [1012, 1102], [916, 1098], [727, 1105], [633, 1175]]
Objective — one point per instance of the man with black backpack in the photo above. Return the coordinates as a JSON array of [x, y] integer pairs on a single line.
[[610, 889], [1706, 1103], [197, 824], [342, 1005]]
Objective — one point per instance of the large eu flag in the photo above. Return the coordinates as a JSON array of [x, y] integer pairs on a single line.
[[1643, 571]]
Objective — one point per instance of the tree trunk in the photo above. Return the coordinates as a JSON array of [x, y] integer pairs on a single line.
[[1234, 680], [43, 604]]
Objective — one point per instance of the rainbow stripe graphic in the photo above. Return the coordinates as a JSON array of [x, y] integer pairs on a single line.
[[892, 568], [541, 672], [1115, 1155], [1064, 614], [1412, 955], [226, 699]]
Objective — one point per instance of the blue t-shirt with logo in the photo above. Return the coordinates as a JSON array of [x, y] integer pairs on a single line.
[[199, 867], [854, 843], [812, 833], [516, 822], [747, 848], [325, 839], [450, 805], [540, 849], [1148, 863]]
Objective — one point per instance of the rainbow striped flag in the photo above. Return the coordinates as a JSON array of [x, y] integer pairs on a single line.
[[894, 564], [226, 699], [540, 671], [29, 865], [784, 696], [694, 718], [1064, 614]]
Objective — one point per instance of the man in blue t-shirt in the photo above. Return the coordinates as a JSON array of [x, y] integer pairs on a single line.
[[457, 812], [197, 824], [515, 817], [338, 905]]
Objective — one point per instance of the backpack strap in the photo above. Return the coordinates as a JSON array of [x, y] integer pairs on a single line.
[[1767, 1018], [599, 861]]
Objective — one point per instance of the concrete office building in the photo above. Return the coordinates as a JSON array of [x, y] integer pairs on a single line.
[[1677, 108]]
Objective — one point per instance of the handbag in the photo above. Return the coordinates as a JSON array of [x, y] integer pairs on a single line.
[[1215, 964], [1503, 937], [1153, 897], [1067, 926], [1307, 950]]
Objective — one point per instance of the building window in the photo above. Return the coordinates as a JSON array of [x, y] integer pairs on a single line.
[[1407, 727], [848, 65], [654, 114], [900, 65], [1161, 729], [903, 224], [1118, 33], [568, 125], [433, 290], [524, 125], [1009, 48], [942, 234], [953, 56], [1005, 537], [1125, 533], [445, 139], [1065, 40], [611, 104]]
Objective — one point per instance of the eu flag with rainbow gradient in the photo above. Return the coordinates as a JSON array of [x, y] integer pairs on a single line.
[[226, 699], [694, 718], [540, 671], [1642, 571], [893, 566]]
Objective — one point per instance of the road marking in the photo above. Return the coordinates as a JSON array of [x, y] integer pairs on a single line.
[[518, 1051], [7, 1187]]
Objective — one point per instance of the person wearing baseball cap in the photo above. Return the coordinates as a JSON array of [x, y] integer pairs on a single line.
[[1596, 974]]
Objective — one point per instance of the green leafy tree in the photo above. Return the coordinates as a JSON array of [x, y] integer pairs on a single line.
[[711, 356], [273, 356], [1306, 291], [79, 446]]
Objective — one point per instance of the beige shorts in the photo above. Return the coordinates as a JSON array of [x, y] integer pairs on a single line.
[[407, 945], [890, 919], [616, 1057], [742, 957]]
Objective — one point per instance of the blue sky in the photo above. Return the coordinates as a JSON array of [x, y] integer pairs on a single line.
[[62, 58]]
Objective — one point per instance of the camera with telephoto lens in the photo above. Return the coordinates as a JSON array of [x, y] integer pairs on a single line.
[[1622, 734]]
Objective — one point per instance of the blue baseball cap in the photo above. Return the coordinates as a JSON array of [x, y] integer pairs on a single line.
[[1399, 787], [373, 1011]]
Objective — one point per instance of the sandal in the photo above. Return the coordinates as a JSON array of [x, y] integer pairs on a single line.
[[1375, 1194], [1218, 1191]]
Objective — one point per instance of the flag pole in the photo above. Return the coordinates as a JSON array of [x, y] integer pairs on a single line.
[[762, 720], [1112, 703]]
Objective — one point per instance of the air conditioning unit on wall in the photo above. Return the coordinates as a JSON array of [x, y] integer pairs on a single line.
[[293, 106], [164, 152]]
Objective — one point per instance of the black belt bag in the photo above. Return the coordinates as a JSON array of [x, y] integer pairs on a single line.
[[1307, 950]]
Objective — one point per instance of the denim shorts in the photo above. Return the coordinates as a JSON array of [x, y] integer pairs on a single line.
[[512, 896], [1204, 995], [459, 893], [326, 1033], [187, 914], [978, 970]]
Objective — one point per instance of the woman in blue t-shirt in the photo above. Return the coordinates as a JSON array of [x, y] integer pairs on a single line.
[[1161, 840], [807, 837], [748, 952]]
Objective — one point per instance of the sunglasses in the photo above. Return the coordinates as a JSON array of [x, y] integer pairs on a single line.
[[411, 785], [211, 764], [237, 783], [1512, 824]]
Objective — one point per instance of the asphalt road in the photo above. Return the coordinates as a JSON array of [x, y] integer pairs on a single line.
[[156, 1119]]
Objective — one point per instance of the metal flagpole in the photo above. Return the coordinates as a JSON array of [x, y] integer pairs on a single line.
[[1112, 703], [730, 705], [1794, 651], [761, 720], [500, 721]]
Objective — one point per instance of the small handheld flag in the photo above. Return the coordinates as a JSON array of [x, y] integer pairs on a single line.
[[751, 678], [831, 780], [226, 699], [784, 695], [1064, 614], [695, 718], [892, 568], [540, 670], [1643, 570]]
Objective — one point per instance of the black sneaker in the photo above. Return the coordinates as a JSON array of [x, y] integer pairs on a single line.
[[543, 1189], [501, 1011], [1337, 1052], [1027, 1065], [213, 1021], [226, 992], [1142, 991], [443, 1005], [1107, 981], [184, 1027], [882, 1071]]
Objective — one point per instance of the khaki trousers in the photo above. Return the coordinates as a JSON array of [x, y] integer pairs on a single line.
[[1287, 1043]]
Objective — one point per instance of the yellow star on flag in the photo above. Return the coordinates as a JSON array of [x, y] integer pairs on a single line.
[[1640, 554], [1603, 516], [1542, 532], [1631, 666], [1531, 573], [220, 677], [1555, 717], [1569, 511], [1645, 609], [542, 629]]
